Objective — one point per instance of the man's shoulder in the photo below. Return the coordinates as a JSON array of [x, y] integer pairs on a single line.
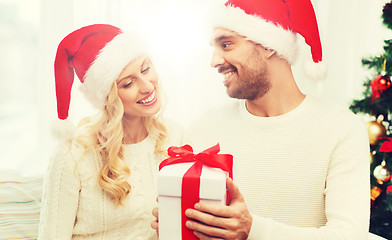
[[333, 113]]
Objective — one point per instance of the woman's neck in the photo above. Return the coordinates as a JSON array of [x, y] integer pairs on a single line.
[[134, 130]]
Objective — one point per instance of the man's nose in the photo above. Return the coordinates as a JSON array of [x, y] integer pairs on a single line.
[[216, 59]]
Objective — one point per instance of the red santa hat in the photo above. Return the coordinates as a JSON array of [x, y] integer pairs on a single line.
[[274, 24], [97, 54]]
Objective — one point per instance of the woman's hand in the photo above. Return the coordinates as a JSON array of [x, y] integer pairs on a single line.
[[155, 224]]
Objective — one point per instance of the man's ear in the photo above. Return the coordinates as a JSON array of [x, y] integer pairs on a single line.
[[269, 52]]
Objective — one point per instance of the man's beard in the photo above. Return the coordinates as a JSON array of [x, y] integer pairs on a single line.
[[252, 82]]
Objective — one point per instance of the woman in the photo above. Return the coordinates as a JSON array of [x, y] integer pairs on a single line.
[[102, 183]]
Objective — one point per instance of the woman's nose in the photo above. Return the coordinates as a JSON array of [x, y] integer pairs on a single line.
[[145, 85]]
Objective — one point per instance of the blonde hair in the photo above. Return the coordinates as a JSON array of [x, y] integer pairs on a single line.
[[106, 133]]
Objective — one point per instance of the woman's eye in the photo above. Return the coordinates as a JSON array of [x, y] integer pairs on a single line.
[[146, 69], [128, 84]]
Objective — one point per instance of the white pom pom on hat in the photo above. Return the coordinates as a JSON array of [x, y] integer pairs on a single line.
[[63, 129], [275, 24], [97, 54]]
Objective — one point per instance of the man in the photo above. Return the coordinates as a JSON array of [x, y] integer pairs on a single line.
[[301, 166]]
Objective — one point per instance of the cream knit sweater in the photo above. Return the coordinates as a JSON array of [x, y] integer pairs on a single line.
[[304, 174], [75, 207]]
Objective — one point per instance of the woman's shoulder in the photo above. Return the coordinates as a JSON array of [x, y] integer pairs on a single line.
[[71, 151], [69, 147]]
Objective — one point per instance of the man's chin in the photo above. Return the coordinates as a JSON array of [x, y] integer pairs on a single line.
[[235, 95]]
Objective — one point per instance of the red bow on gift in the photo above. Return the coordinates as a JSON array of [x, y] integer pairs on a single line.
[[191, 179]]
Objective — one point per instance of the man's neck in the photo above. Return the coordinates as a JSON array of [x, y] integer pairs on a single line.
[[283, 96], [271, 106]]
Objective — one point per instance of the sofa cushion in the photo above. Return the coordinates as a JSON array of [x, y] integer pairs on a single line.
[[20, 200]]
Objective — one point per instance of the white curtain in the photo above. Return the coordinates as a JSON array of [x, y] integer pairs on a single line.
[[349, 32]]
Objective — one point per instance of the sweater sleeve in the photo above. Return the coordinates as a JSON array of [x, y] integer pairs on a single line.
[[347, 195], [60, 196]]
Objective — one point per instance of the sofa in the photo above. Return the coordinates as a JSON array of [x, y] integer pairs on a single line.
[[20, 203]]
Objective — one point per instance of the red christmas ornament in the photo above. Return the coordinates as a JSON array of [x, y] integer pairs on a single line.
[[379, 85], [387, 145], [389, 189]]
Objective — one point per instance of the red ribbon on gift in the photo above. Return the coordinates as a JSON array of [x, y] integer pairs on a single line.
[[191, 179]]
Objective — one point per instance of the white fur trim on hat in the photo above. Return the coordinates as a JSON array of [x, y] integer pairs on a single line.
[[108, 65], [258, 30]]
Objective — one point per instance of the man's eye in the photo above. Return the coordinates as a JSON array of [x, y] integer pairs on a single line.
[[226, 44]]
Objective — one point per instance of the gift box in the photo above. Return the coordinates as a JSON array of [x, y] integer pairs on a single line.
[[185, 179]]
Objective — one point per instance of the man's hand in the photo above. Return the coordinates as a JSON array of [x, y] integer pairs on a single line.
[[155, 224], [221, 222]]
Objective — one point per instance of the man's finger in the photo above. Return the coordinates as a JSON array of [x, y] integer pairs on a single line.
[[203, 217], [214, 209], [234, 191], [202, 236], [211, 219], [206, 230]]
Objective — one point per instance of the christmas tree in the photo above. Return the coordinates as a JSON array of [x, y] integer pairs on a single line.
[[377, 102]]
